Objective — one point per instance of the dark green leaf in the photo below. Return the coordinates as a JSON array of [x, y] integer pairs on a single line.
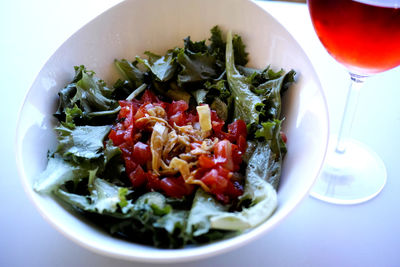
[[195, 67], [82, 142], [240, 50], [194, 47], [58, 172], [86, 93], [130, 72], [162, 67], [270, 131], [265, 164], [245, 100]]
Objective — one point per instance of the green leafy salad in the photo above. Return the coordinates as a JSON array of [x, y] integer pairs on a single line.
[[184, 149]]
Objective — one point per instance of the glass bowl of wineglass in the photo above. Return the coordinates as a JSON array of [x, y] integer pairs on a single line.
[[364, 36]]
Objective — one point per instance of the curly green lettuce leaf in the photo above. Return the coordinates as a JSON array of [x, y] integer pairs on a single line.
[[195, 47], [130, 72], [106, 198], [257, 94], [271, 132], [72, 114], [218, 48], [162, 67], [81, 142], [147, 220], [196, 66], [264, 163], [203, 209], [272, 90], [80, 152], [246, 103], [57, 172], [87, 93]]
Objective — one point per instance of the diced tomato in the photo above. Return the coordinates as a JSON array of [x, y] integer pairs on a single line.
[[128, 135], [224, 172], [117, 136], [236, 157], [284, 137], [214, 116], [223, 154], [217, 124], [149, 97], [175, 187], [153, 182], [177, 106], [178, 118], [136, 137], [128, 109], [237, 128], [140, 113], [130, 165], [221, 185], [215, 182], [234, 189], [242, 144], [126, 150], [206, 162], [137, 177], [192, 117], [141, 153], [216, 170], [217, 128]]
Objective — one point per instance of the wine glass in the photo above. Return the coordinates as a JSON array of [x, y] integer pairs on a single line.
[[364, 36]]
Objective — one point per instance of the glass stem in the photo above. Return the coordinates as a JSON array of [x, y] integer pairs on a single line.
[[350, 108]]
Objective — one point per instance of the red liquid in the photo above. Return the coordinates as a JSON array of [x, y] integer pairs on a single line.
[[365, 38]]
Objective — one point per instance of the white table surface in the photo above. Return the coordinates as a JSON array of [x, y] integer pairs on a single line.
[[316, 234]]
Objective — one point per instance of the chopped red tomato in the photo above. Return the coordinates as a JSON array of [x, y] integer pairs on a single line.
[[216, 170], [138, 177], [141, 153], [117, 136], [234, 189], [206, 162], [178, 118], [284, 137], [223, 154], [141, 112], [153, 182], [217, 125], [242, 144], [236, 129], [215, 182], [149, 97], [130, 165], [177, 106], [192, 117], [176, 187]]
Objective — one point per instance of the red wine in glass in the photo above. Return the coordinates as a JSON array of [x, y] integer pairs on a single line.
[[364, 36]]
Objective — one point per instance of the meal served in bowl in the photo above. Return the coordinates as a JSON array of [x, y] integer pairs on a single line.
[[156, 142], [185, 149]]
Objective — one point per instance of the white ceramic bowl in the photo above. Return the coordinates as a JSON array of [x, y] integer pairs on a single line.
[[135, 26]]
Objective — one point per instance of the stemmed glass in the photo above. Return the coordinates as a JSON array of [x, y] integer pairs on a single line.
[[364, 36]]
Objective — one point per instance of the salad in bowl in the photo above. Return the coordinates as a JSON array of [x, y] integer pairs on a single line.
[[183, 149]]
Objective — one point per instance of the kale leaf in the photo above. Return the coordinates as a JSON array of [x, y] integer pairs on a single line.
[[162, 67], [87, 93]]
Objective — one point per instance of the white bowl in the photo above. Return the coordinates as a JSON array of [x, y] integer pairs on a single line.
[[129, 29]]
